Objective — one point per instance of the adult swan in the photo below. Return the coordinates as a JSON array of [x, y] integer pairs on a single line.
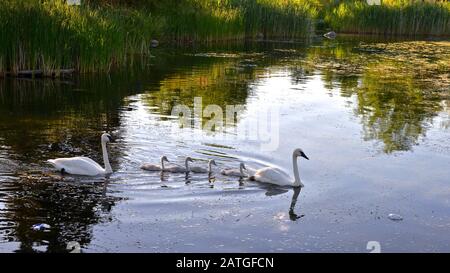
[[276, 176], [83, 165]]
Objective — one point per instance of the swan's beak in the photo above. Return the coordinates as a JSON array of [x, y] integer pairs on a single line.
[[110, 138], [303, 155]]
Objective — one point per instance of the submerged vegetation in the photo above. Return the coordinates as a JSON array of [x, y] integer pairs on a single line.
[[49, 37]]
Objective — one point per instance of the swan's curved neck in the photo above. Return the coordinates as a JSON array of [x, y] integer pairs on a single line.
[[108, 168], [162, 163], [209, 166], [241, 170], [187, 165], [297, 181]]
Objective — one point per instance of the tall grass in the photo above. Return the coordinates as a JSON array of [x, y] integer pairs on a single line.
[[280, 19], [50, 35], [393, 17], [203, 20], [206, 20]]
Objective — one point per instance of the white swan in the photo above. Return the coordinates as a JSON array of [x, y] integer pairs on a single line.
[[277, 176], [235, 172], [178, 169], [198, 169], [155, 167], [83, 165]]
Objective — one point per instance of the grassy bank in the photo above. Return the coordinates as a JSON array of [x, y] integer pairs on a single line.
[[393, 18], [48, 35], [52, 35]]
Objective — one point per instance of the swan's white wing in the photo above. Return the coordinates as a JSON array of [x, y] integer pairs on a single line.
[[273, 176], [250, 171], [77, 165]]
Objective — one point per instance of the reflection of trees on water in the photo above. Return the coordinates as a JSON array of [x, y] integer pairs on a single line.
[[36, 114], [219, 83], [395, 109], [397, 100], [71, 209]]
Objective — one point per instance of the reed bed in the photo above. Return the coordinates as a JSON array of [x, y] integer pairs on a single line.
[[279, 19], [206, 21], [48, 36], [392, 18]]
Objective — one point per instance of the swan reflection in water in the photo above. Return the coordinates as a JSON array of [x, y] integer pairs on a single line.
[[272, 191], [292, 214]]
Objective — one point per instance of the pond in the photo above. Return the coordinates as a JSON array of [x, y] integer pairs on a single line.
[[373, 116]]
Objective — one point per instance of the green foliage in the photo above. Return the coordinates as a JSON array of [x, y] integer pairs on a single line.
[[50, 35], [393, 17]]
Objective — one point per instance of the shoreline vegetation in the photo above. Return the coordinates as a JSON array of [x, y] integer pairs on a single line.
[[48, 38]]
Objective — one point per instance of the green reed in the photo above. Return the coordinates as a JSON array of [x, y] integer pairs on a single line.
[[394, 17], [279, 19], [50, 35], [205, 20]]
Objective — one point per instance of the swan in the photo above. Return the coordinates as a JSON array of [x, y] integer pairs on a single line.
[[155, 167], [235, 172], [273, 175], [178, 169], [83, 165], [198, 169]]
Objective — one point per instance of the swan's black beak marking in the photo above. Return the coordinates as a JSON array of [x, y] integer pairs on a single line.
[[110, 138], [303, 155]]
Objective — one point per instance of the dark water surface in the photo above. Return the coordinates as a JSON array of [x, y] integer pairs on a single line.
[[373, 116]]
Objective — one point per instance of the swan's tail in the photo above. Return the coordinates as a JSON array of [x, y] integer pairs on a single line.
[[252, 178]]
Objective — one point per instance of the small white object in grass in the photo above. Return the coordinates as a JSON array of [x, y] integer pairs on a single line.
[[395, 217], [39, 227], [73, 2], [374, 2]]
